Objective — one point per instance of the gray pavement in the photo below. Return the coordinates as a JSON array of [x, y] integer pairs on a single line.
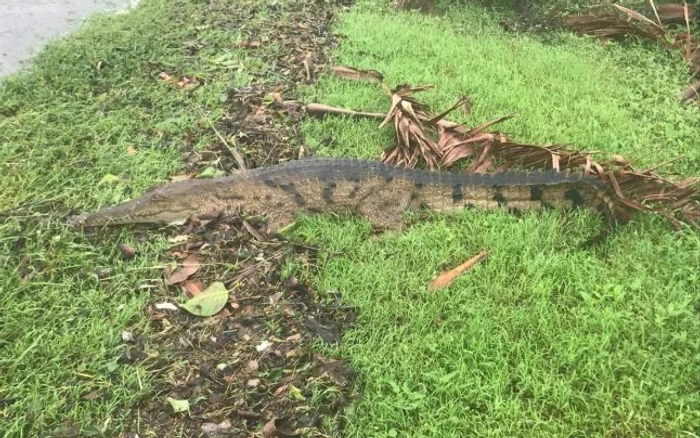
[[26, 25]]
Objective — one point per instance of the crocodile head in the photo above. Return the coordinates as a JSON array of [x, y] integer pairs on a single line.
[[171, 204]]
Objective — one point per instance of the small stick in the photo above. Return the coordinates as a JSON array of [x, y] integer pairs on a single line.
[[318, 109], [233, 150]]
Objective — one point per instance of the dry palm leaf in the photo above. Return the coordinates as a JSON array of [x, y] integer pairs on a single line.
[[411, 121], [633, 190], [614, 21], [675, 13]]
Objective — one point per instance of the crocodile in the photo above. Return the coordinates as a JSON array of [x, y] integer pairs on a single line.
[[379, 192]]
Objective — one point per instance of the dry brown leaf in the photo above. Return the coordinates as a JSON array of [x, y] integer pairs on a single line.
[[692, 92], [249, 43], [182, 177], [447, 278], [186, 82], [127, 251], [253, 232], [193, 287], [355, 74], [179, 238], [272, 430], [251, 366], [293, 338], [675, 12], [185, 270], [131, 150]]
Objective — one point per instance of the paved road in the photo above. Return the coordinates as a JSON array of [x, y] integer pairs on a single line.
[[26, 25]]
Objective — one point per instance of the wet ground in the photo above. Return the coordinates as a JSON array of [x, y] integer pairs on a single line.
[[26, 25]]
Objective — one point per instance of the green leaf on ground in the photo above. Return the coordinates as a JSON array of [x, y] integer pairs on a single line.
[[179, 405], [209, 302]]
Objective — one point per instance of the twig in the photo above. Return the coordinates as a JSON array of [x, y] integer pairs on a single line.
[[233, 150], [653, 7], [688, 42], [317, 109]]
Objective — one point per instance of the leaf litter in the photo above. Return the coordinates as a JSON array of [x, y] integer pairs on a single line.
[[241, 355]]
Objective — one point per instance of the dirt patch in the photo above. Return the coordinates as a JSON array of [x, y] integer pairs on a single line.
[[253, 362], [293, 39], [253, 369]]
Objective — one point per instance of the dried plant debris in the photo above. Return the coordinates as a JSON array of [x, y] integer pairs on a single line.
[[425, 139], [616, 22], [245, 365], [230, 340], [263, 124], [290, 42]]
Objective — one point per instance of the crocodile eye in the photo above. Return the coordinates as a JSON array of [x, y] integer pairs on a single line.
[[158, 198]]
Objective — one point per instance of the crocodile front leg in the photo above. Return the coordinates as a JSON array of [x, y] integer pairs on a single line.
[[384, 208]]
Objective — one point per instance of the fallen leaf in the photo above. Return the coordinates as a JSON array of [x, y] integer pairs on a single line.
[[264, 345], [447, 278], [210, 172], [253, 383], [251, 366], [193, 287], [295, 393], [249, 43], [186, 82], [128, 252], [179, 238], [165, 306], [127, 336], [334, 369], [275, 298], [131, 150], [93, 394], [188, 268], [209, 302], [179, 405], [274, 96], [329, 336], [109, 179], [183, 177], [272, 430], [213, 428], [293, 338]]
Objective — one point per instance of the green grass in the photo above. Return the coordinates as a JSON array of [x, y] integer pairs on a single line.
[[569, 90], [544, 339], [65, 131]]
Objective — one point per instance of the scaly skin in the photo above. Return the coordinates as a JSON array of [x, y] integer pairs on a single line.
[[377, 191]]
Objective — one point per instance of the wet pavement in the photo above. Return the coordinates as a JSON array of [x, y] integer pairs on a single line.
[[26, 25]]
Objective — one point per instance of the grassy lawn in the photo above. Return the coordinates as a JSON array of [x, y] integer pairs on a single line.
[[68, 133], [544, 339]]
